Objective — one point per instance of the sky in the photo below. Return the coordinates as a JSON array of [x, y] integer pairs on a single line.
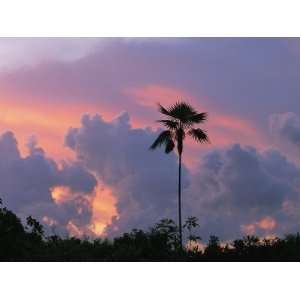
[[77, 116]]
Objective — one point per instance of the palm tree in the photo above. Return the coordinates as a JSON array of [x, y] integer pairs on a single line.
[[181, 119]]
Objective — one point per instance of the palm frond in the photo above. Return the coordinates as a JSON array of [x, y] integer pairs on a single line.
[[170, 124], [198, 118], [169, 146], [163, 138], [182, 111], [163, 110], [199, 135]]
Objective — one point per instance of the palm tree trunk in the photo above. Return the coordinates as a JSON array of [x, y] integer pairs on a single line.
[[179, 202]]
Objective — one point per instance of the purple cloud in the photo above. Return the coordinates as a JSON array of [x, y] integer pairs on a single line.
[[143, 182], [231, 188], [27, 182], [237, 185]]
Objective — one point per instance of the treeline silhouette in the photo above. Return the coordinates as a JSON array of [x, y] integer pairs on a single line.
[[28, 242]]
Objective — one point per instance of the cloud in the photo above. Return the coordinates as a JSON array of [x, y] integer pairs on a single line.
[[27, 183], [286, 126], [17, 53], [134, 74], [143, 182], [233, 187], [241, 190], [198, 65], [233, 191]]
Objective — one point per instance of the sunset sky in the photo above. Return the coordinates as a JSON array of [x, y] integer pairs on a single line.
[[77, 116]]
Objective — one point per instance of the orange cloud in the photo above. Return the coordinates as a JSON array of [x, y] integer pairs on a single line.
[[74, 230], [61, 194], [104, 208], [267, 224], [48, 121]]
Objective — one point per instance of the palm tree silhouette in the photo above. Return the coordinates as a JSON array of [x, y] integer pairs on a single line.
[[181, 118]]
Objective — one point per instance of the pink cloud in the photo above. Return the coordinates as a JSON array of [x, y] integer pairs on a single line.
[[223, 128], [248, 229], [266, 224], [150, 95]]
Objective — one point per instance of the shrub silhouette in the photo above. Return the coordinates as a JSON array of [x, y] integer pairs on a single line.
[[159, 243], [12, 236]]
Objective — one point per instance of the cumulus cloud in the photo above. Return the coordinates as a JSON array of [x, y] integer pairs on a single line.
[[144, 182], [235, 190], [27, 182], [240, 190]]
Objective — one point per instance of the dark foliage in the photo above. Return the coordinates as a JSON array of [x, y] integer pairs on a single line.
[[159, 243]]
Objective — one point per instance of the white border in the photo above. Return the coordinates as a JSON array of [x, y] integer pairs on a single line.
[[145, 281], [149, 18]]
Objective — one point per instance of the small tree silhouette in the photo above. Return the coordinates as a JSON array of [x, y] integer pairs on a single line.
[[36, 227], [213, 248], [167, 228], [190, 224], [181, 117]]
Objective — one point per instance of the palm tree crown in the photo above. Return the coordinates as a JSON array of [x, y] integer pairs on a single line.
[[181, 119]]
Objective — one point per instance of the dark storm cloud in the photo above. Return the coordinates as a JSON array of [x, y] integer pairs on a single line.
[[26, 184]]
